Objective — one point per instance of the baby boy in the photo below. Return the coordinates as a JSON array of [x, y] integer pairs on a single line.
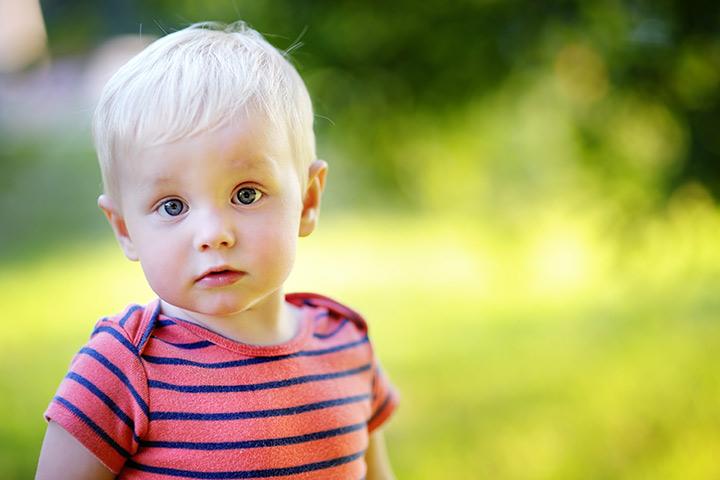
[[207, 152]]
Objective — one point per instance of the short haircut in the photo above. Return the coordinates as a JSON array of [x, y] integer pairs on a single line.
[[197, 79]]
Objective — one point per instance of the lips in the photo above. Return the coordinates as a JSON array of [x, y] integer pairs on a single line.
[[219, 277]]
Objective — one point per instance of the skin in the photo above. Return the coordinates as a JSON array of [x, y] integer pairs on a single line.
[[202, 176], [376, 458], [182, 211]]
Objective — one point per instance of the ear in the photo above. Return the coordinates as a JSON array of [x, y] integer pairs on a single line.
[[117, 222], [311, 199]]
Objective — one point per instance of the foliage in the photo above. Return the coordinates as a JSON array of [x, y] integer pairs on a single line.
[[381, 72]]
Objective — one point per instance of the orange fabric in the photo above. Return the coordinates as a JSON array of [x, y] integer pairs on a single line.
[[158, 398]]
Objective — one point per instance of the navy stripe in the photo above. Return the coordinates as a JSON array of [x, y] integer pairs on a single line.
[[149, 328], [120, 338], [95, 330], [270, 472], [381, 407], [267, 442], [128, 314], [105, 399], [337, 329], [118, 373], [251, 361], [252, 387], [164, 323], [94, 426], [187, 346], [233, 363], [337, 348], [275, 412]]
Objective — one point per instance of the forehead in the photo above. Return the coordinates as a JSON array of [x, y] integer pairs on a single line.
[[247, 145]]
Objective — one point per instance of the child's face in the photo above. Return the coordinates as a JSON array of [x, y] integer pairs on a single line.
[[214, 219]]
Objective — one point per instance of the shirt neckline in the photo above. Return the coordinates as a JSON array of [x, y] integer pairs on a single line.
[[293, 345]]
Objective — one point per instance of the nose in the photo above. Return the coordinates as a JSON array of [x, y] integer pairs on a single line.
[[214, 231]]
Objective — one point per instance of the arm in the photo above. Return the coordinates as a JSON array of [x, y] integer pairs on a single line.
[[63, 457], [376, 458]]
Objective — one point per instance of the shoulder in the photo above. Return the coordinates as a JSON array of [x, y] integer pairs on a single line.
[[117, 342], [332, 307], [130, 328], [103, 401]]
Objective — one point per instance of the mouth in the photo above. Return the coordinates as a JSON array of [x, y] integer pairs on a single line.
[[219, 277]]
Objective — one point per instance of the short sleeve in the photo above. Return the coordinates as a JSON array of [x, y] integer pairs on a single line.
[[384, 398], [102, 401]]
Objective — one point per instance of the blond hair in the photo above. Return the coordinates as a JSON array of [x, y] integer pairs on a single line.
[[195, 80]]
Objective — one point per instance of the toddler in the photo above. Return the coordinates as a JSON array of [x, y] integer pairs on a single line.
[[207, 152]]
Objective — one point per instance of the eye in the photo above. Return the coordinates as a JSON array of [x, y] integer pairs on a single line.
[[172, 208], [247, 195]]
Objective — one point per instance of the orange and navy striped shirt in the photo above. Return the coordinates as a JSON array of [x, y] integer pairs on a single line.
[[155, 397]]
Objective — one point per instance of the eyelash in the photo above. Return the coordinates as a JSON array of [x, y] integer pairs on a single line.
[[162, 210]]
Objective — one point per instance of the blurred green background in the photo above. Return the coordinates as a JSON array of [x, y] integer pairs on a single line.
[[522, 199]]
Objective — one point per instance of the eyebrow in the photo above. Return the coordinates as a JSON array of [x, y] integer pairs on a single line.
[[160, 181], [157, 182], [269, 164], [268, 168]]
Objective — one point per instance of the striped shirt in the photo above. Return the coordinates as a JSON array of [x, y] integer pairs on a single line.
[[155, 397]]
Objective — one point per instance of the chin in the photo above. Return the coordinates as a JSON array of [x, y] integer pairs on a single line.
[[222, 307]]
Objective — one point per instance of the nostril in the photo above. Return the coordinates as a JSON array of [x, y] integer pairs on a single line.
[[210, 240]]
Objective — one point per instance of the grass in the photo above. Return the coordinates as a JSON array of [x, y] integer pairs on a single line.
[[594, 366]]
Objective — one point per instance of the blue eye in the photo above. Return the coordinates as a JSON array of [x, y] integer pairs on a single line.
[[247, 196], [172, 208]]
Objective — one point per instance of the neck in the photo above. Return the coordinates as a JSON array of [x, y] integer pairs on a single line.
[[269, 322]]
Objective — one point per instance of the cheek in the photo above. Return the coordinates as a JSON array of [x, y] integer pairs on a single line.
[[161, 262], [276, 247]]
